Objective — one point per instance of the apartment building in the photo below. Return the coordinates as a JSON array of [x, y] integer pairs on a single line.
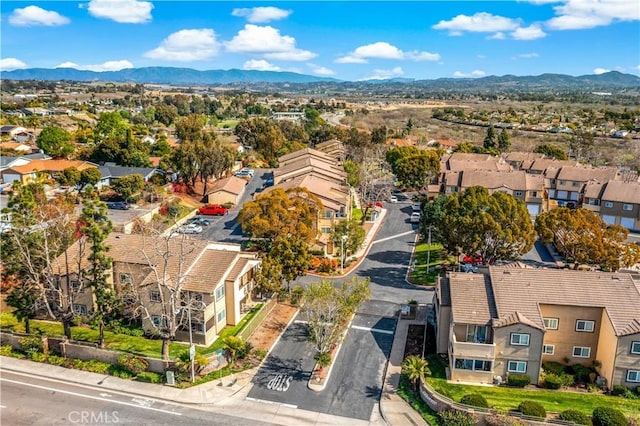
[[617, 202], [216, 280], [459, 161], [512, 320], [566, 184]]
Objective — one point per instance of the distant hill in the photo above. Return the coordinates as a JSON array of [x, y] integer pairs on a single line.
[[243, 78], [163, 75]]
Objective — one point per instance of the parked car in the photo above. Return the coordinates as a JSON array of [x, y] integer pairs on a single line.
[[118, 205], [251, 172], [416, 207], [200, 221], [473, 260], [191, 228], [244, 173], [393, 199], [415, 217], [467, 267], [213, 209]]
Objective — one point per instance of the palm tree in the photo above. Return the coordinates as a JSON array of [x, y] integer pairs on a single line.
[[415, 368]]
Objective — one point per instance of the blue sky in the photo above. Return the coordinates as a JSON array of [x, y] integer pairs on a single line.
[[346, 40]]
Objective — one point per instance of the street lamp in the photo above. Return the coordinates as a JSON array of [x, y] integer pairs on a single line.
[[342, 241], [192, 348]]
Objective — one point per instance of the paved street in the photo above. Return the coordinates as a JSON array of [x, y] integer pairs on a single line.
[[357, 377], [30, 401]]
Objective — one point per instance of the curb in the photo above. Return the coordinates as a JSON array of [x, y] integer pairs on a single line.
[[386, 381]]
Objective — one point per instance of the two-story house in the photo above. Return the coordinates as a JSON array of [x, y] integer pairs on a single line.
[[524, 186], [42, 168], [512, 320], [215, 281], [309, 161], [616, 201]]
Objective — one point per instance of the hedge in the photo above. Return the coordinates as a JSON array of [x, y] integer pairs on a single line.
[[575, 416], [607, 416], [532, 408]]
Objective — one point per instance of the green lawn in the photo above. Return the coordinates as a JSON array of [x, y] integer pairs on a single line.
[[419, 274], [122, 342], [503, 398], [227, 124]]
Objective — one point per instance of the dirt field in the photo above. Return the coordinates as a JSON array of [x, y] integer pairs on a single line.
[[272, 326]]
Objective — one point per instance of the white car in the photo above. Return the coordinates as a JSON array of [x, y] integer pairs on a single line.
[[393, 199], [191, 228], [415, 217]]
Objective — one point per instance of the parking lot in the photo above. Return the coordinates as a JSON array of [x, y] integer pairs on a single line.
[[357, 377]]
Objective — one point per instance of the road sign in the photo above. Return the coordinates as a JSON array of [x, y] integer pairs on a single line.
[[192, 352]]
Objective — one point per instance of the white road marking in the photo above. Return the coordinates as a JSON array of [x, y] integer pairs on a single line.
[[375, 330], [89, 396], [290, 406], [2, 406], [265, 401], [105, 395], [300, 322], [393, 236]]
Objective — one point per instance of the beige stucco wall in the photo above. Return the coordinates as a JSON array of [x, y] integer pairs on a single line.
[[607, 348], [442, 334], [625, 361], [506, 352], [223, 197], [566, 336]]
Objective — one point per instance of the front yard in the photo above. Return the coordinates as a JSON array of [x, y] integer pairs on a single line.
[[419, 274], [508, 398]]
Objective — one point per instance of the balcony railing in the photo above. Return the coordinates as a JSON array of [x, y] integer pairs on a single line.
[[472, 350]]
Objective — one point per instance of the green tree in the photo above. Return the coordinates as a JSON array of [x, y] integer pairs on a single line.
[[236, 348], [432, 214], [379, 135], [490, 138], [126, 186], [354, 232], [23, 298], [166, 114], [96, 229], [415, 368], [90, 176], [214, 158], [269, 277], [353, 173], [468, 147], [69, 177], [291, 212], [292, 254], [551, 151], [111, 126], [55, 141], [504, 141], [496, 226], [413, 167]]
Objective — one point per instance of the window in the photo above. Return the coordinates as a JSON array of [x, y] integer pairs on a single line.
[[581, 352], [576, 184], [154, 296], [548, 349], [157, 320], [608, 204], [635, 348], [551, 323], [125, 278], [325, 230], [584, 325], [476, 333], [517, 366], [633, 376], [79, 309], [627, 207], [197, 297], [518, 193], [221, 315], [76, 287], [520, 339], [197, 327], [220, 292], [562, 182], [553, 181], [534, 194], [328, 214], [472, 364]]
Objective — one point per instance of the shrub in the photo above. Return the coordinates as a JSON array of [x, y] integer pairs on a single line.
[[95, 366], [56, 360], [456, 418], [502, 420], [553, 367], [31, 344], [6, 350], [575, 416], [532, 408], [518, 380], [183, 363], [323, 359], [296, 294], [37, 356], [149, 377], [582, 373], [119, 371], [552, 381], [119, 327], [618, 390], [260, 353], [474, 400], [607, 416], [134, 364]]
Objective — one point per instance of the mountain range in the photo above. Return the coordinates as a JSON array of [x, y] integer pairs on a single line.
[[188, 76]]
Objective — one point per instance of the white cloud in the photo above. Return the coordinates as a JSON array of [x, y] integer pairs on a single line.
[[527, 55], [122, 11], [472, 74], [583, 14], [481, 22], [34, 15], [600, 70], [268, 41], [320, 70], [385, 74], [497, 36], [8, 64], [259, 65], [384, 50], [532, 32], [105, 66], [186, 45], [257, 15]]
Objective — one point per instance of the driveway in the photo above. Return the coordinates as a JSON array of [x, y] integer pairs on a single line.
[[356, 380]]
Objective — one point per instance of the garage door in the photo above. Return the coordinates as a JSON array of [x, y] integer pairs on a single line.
[[608, 219], [534, 209], [628, 223]]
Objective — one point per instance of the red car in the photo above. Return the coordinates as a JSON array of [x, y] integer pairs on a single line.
[[473, 260], [213, 209]]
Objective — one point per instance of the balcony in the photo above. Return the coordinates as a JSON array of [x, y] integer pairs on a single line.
[[486, 351]]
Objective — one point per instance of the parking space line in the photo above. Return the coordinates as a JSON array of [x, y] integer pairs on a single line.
[[374, 330], [266, 401]]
